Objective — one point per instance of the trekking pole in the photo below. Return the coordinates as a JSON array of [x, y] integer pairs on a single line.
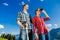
[[27, 33]]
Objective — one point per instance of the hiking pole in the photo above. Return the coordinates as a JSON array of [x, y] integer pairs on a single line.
[[27, 33]]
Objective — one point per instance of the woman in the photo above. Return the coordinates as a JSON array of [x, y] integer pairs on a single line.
[[39, 24]]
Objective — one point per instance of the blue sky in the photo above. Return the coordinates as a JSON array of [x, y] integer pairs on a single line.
[[9, 10]]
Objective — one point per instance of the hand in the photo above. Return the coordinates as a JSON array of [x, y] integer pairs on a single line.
[[21, 25], [43, 11], [26, 24], [36, 36]]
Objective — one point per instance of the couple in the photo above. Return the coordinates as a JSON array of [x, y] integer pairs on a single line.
[[24, 21]]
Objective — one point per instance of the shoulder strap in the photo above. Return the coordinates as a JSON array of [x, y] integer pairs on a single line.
[[30, 18]]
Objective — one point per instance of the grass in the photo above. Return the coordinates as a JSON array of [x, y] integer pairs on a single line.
[[3, 38]]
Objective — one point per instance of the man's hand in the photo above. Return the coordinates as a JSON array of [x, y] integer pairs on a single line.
[[26, 24], [20, 24]]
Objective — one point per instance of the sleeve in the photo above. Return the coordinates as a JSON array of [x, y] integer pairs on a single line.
[[34, 26], [46, 19], [19, 16]]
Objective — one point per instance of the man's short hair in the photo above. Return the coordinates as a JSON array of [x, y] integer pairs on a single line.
[[25, 5]]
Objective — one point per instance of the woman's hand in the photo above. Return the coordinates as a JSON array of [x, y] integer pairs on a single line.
[[36, 36], [44, 11]]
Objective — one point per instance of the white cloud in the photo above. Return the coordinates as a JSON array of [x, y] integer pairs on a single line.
[[52, 26], [6, 4], [1, 26], [41, 0], [23, 2], [28, 0], [2, 32], [14, 33], [56, 26], [48, 25]]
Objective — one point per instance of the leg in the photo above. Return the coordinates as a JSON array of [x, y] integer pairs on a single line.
[[30, 34], [41, 37], [20, 35], [23, 35], [47, 36]]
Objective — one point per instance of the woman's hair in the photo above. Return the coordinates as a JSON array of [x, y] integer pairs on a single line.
[[40, 9]]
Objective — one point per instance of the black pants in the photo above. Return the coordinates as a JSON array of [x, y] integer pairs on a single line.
[[30, 35]]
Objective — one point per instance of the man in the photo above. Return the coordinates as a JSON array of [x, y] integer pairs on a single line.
[[39, 24], [24, 22]]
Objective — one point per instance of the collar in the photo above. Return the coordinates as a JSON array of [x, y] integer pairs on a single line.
[[25, 11]]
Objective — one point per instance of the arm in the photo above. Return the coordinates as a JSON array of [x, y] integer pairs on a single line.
[[47, 17], [35, 34], [20, 23], [19, 19]]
